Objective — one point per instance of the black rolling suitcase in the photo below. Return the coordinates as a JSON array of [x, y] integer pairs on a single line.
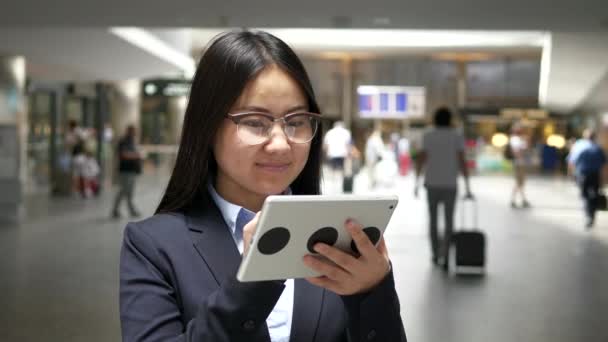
[[347, 184], [349, 176], [468, 252]]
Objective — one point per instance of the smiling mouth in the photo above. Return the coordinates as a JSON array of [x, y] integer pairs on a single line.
[[274, 167]]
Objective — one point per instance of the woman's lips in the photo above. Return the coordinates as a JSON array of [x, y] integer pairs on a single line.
[[273, 167]]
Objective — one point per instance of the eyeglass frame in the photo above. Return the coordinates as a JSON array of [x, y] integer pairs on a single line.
[[234, 117]]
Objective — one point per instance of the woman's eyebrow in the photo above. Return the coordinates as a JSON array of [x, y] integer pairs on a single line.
[[253, 109], [297, 108], [265, 110]]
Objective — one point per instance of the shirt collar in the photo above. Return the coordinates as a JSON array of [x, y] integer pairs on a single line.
[[229, 210]]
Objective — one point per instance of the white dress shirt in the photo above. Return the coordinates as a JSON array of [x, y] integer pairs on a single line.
[[279, 321]]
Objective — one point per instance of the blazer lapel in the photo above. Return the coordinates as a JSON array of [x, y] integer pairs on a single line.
[[214, 242], [308, 303], [216, 246]]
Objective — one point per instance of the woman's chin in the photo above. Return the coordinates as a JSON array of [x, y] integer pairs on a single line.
[[271, 188]]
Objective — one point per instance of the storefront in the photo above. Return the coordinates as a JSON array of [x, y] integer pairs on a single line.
[[51, 108], [163, 105], [489, 131]]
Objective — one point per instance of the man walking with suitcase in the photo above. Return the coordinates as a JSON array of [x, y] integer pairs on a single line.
[[587, 159], [441, 158]]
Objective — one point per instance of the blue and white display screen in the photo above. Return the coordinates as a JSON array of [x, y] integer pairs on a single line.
[[391, 102]]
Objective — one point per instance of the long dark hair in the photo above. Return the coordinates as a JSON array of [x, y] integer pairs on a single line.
[[232, 60]]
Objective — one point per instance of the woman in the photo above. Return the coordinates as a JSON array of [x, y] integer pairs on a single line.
[[250, 130], [519, 149]]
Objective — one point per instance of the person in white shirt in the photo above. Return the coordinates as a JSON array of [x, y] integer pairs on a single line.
[[374, 148], [441, 157], [337, 145], [519, 150]]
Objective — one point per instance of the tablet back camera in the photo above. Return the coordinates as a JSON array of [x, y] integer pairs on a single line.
[[326, 235], [274, 240]]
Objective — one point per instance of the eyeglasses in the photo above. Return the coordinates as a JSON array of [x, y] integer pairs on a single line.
[[255, 128]]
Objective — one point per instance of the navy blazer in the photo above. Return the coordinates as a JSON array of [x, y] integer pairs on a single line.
[[178, 283]]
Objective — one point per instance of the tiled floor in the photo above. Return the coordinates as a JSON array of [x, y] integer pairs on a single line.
[[547, 278]]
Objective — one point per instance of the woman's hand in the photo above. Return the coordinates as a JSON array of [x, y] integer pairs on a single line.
[[352, 275], [248, 232]]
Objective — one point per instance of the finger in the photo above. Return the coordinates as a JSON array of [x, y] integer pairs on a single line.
[[382, 247], [344, 260], [249, 230], [365, 246], [383, 250], [330, 271], [250, 227]]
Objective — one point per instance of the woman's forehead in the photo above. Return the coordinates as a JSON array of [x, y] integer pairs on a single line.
[[272, 88]]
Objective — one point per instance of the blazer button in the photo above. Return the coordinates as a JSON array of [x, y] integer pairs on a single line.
[[249, 325], [371, 335]]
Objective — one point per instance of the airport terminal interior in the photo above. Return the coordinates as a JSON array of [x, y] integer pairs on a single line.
[[526, 84]]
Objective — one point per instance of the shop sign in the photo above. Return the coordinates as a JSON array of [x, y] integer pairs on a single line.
[[167, 88]]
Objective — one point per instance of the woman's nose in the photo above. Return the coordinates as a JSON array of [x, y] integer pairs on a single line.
[[278, 139]]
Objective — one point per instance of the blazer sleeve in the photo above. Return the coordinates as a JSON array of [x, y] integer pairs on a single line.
[[150, 311], [375, 316]]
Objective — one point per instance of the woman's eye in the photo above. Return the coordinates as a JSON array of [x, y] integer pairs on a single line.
[[253, 123], [296, 123]]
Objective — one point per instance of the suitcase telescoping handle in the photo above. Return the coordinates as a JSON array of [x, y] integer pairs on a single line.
[[473, 201]]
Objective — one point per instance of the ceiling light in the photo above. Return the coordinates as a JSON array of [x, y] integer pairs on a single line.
[[155, 46]]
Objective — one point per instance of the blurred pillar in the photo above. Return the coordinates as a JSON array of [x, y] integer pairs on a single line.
[[125, 106], [462, 85], [347, 92], [13, 133], [176, 108], [124, 102]]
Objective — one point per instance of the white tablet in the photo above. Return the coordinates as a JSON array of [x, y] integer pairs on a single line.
[[289, 227]]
